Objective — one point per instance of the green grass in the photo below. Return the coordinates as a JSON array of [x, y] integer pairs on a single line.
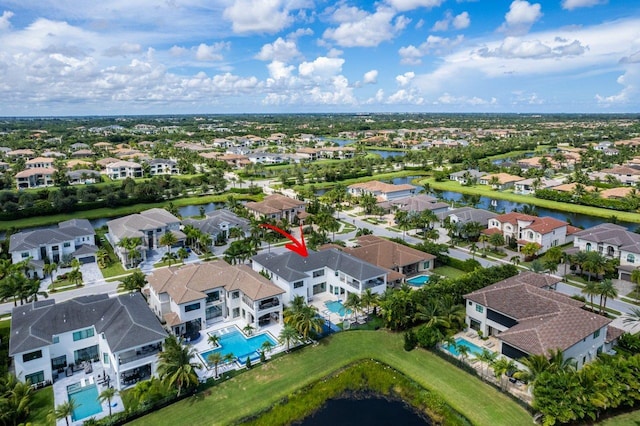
[[63, 285], [259, 388], [486, 191], [41, 405], [448, 271], [628, 419]]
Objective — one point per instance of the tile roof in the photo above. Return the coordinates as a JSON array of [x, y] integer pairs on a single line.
[[612, 234], [274, 203], [125, 320], [189, 283], [377, 186], [546, 319], [387, 254], [212, 223], [35, 171]]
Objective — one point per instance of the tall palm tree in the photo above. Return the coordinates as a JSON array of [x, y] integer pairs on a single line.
[[288, 335], [487, 357], [606, 290], [368, 299], [107, 395], [353, 303], [216, 359], [65, 410], [214, 340], [134, 282], [130, 245], [590, 289], [632, 317], [168, 239], [182, 254], [536, 365], [176, 366]]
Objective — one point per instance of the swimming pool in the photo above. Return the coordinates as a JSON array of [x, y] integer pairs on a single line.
[[86, 399], [233, 341], [473, 348], [419, 280], [337, 307]]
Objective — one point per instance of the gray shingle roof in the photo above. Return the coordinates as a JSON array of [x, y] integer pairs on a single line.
[[126, 321], [292, 266], [211, 224], [610, 233], [66, 231]]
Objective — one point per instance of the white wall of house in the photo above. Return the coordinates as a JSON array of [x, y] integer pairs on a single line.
[[63, 249], [609, 250], [587, 349], [629, 258]]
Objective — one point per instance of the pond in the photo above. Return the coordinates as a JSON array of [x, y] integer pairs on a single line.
[[185, 212], [339, 142], [500, 206], [386, 154], [372, 411]]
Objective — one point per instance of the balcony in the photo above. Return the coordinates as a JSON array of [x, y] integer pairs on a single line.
[[139, 353], [268, 304], [373, 283], [353, 283]]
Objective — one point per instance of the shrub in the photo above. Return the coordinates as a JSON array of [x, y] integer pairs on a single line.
[[410, 340]]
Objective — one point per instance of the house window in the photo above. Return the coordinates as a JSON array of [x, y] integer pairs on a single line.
[[59, 363], [35, 377], [596, 334], [235, 295], [105, 358], [318, 273], [25, 254], [86, 354], [631, 258], [213, 297], [588, 246], [192, 307], [479, 308], [56, 339], [298, 284], [235, 313], [67, 244], [82, 334], [30, 356], [426, 265], [470, 303]]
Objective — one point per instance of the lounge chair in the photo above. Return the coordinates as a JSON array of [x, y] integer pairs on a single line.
[[489, 345], [91, 380], [83, 382]]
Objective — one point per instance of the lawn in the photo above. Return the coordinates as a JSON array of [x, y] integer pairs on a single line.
[[628, 419], [448, 271], [484, 190], [41, 405], [261, 387]]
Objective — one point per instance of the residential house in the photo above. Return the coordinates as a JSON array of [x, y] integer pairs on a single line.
[[624, 174], [573, 187], [123, 169], [504, 180], [415, 203], [83, 176], [467, 177], [35, 178], [82, 153], [325, 272], [160, 166], [21, 153], [337, 152], [547, 232], [39, 163], [192, 297], [404, 261], [614, 242], [464, 215], [308, 154], [74, 238], [218, 223], [277, 207], [527, 318], [119, 335], [381, 190], [149, 225], [617, 193], [529, 186]]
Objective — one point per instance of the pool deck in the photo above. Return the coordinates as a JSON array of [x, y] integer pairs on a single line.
[[60, 395], [319, 302], [203, 345]]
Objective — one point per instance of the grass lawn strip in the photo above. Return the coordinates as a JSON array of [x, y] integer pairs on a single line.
[[486, 191], [261, 387]]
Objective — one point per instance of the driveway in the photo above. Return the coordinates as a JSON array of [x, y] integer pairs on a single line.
[[91, 273]]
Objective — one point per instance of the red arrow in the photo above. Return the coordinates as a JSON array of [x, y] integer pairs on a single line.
[[297, 246]]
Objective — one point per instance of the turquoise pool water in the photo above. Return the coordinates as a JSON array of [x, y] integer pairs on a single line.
[[337, 307], [418, 281], [86, 399], [234, 341], [473, 348]]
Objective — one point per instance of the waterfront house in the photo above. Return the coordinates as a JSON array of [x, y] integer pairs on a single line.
[[277, 207], [37, 177], [161, 166], [218, 223], [504, 180], [123, 169], [529, 186], [467, 177], [382, 191], [547, 232]]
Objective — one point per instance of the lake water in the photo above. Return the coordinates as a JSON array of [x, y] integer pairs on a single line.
[[500, 206], [386, 154], [372, 411], [185, 212], [340, 142]]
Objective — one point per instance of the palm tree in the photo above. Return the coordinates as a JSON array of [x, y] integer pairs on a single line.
[[487, 357], [176, 366], [130, 245], [215, 358], [75, 276], [49, 269], [502, 366], [632, 317], [107, 395], [353, 303], [213, 340], [403, 221], [133, 282], [65, 410], [248, 329], [169, 240], [496, 240], [463, 352], [102, 257], [182, 254], [536, 365], [606, 290], [288, 335], [266, 346], [368, 299], [205, 240], [169, 258], [473, 248], [590, 289], [635, 278]]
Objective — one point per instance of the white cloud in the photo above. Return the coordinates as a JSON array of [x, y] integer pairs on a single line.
[[442, 25], [206, 52], [405, 78], [520, 17], [631, 90], [514, 47], [370, 77], [412, 55], [321, 67], [448, 99], [280, 70], [178, 51], [123, 49], [419, 24], [259, 16], [404, 96], [574, 4], [334, 53], [279, 50], [634, 58], [404, 5], [358, 28], [300, 32], [5, 20], [461, 21]]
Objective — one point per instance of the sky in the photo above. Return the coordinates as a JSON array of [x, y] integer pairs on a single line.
[[115, 57]]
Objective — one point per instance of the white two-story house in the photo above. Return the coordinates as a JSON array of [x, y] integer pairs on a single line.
[[123, 169], [381, 190], [161, 166], [331, 271], [191, 297], [72, 238], [117, 335], [528, 318]]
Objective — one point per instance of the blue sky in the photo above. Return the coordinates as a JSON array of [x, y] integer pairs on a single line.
[[78, 57]]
